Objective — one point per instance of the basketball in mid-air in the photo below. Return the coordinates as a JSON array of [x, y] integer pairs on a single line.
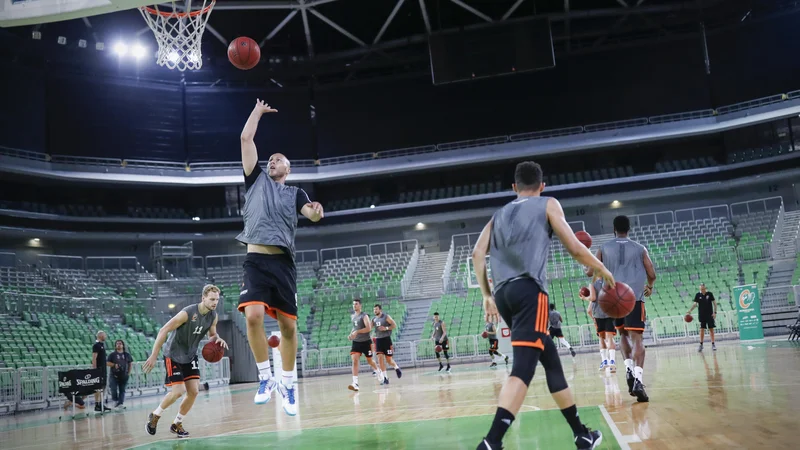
[[438, 349], [585, 291], [244, 53], [213, 352], [485, 334], [274, 341], [618, 301], [688, 318], [585, 238]]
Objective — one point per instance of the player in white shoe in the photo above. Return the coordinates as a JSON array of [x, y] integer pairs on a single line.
[[362, 344], [605, 328]]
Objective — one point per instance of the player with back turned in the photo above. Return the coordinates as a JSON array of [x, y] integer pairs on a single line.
[[519, 236], [271, 210], [185, 332]]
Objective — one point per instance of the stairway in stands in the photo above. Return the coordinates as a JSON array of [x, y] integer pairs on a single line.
[[417, 316], [427, 280]]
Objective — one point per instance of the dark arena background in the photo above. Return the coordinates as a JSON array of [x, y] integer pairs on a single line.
[[122, 192]]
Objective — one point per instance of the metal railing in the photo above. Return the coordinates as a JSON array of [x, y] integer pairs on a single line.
[[760, 251], [410, 270], [17, 303], [28, 388]]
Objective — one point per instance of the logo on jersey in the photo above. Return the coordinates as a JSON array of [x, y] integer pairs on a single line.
[[194, 317], [746, 298]]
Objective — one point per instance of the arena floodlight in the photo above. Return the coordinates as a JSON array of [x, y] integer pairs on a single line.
[[138, 51], [120, 49]]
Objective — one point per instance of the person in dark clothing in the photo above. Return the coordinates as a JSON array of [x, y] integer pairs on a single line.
[[120, 363]]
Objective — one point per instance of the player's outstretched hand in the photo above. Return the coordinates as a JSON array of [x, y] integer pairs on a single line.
[[149, 364], [221, 342], [608, 279], [263, 107], [490, 310]]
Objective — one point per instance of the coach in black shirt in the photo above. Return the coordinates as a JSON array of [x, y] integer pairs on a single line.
[[707, 311], [99, 361]]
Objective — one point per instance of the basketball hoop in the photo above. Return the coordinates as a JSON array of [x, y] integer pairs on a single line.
[[178, 33]]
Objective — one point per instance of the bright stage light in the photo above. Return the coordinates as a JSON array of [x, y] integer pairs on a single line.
[[120, 49], [138, 51]]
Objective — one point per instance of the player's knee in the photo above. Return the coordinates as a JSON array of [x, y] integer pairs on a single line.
[[525, 359], [255, 317], [287, 326], [192, 391], [178, 390]]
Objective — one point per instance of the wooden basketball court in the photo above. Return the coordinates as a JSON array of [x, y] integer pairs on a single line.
[[737, 397]]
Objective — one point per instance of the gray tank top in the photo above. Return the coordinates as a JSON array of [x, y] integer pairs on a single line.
[[358, 325], [381, 321], [270, 214], [437, 330], [182, 343], [555, 319], [597, 311], [490, 329], [520, 241], [624, 259]]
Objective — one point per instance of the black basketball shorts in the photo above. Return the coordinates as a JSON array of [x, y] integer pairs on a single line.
[[707, 322], [556, 332], [362, 348], [636, 319], [271, 281], [177, 372], [493, 344], [383, 346], [526, 310], [605, 326]]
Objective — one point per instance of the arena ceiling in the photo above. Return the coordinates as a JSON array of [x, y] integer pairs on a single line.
[[346, 40]]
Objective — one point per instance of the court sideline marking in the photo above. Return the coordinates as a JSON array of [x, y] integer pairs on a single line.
[[622, 440]]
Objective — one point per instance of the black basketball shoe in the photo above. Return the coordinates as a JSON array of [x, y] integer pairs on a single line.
[[152, 423], [589, 439], [630, 378], [486, 445], [177, 428], [638, 391]]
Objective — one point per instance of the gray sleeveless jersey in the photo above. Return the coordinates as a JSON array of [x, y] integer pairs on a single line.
[[490, 329], [598, 312], [437, 330], [624, 258], [182, 343], [270, 214], [358, 324], [555, 319], [381, 321], [520, 241]]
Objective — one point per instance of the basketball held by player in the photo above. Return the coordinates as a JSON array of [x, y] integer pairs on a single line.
[[630, 263], [183, 334], [270, 212], [362, 344], [518, 237]]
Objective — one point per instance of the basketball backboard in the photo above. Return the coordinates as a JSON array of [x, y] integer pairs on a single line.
[[15, 13]]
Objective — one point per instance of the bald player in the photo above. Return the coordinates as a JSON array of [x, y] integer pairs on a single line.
[[271, 211], [519, 236]]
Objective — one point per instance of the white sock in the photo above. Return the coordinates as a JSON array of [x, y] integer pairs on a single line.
[[178, 418], [158, 411], [355, 380], [564, 343], [638, 372], [287, 379], [629, 364], [264, 372], [380, 374], [612, 354], [603, 356], [396, 366]]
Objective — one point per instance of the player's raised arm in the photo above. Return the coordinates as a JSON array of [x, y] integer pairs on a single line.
[[249, 153], [168, 327], [555, 215]]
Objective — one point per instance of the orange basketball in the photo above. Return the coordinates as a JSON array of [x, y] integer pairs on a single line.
[[213, 352], [438, 349], [585, 238], [274, 341], [485, 334], [585, 292], [688, 318], [618, 301], [244, 53]]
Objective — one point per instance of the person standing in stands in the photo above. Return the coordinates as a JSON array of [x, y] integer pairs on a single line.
[[120, 363], [99, 362]]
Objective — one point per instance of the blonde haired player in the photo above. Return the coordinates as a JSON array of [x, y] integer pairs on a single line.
[[185, 332]]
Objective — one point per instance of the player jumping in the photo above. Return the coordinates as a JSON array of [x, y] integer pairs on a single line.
[[188, 328], [271, 210], [519, 236]]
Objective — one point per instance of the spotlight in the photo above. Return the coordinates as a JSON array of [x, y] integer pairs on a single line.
[[171, 306], [173, 56], [82, 43], [37, 35], [100, 46], [35, 239], [615, 204], [138, 51], [195, 218], [420, 226], [371, 206], [120, 49], [62, 40]]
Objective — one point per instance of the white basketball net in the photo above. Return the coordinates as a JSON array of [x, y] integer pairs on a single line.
[[179, 34]]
